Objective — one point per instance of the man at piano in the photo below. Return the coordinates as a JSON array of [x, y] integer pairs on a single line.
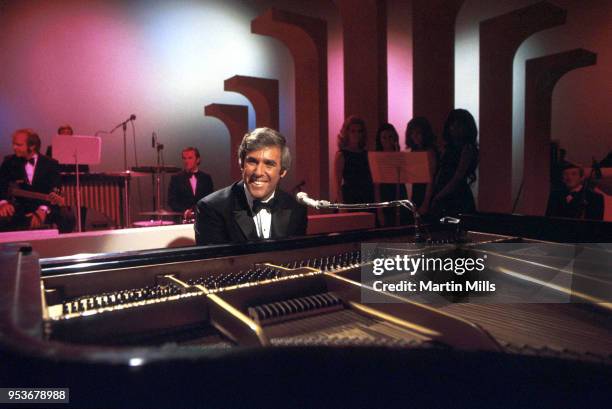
[[24, 174], [253, 208], [190, 185]]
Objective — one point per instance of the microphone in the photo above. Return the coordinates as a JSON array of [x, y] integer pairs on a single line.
[[153, 138], [131, 118], [302, 198]]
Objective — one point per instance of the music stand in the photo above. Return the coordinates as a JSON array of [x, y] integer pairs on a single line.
[[400, 168], [77, 150]]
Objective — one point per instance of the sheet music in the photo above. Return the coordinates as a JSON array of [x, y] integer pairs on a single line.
[[66, 147], [400, 167]]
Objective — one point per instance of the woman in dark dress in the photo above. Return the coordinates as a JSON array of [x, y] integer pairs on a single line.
[[452, 193], [420, 138], [351, 168], [387, 140]]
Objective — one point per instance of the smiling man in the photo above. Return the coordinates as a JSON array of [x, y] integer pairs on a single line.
[[253, 208]]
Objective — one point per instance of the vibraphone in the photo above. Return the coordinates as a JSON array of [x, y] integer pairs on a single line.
[[104, 192]]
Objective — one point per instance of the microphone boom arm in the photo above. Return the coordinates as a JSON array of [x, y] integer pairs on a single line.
[[355, 206], [303, 198]]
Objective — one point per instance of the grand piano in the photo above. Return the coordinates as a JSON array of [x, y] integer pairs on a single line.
[[299, 322]]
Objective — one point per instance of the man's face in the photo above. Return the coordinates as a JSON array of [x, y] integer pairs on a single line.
[[190, 161], [20, 146], [261, 171], [572, 178]]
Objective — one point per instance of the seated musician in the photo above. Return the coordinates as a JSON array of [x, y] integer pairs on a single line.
[[575, 199], [25, 172], [190, 185], [253, 208]]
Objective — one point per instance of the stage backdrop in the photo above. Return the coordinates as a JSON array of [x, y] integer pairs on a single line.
[[93, 63]]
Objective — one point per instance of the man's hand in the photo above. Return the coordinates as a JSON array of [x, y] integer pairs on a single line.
[[56, 199], [37, 218], [7, 210], [188, 214]]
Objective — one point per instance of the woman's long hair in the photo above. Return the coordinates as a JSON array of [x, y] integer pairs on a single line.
[[381, 129], [343, 135], [466, 120], [468, 137], [429, 139]]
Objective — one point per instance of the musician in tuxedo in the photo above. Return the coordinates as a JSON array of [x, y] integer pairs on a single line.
[[575, 200], [253, 208], [190, 185], [31, 171]]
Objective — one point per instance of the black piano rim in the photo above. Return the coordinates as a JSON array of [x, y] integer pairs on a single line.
[[71, 264]]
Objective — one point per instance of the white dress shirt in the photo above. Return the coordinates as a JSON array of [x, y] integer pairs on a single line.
[[263, 218], [29, 168], [193, 181]]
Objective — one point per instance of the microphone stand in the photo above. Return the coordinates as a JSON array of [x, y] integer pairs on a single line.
[[123, 125], [126, 179]]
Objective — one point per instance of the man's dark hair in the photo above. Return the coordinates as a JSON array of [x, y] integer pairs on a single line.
[[261, 138], [570, 165]]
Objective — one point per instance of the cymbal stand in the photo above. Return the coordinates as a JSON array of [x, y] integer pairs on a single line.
[[159, 147]]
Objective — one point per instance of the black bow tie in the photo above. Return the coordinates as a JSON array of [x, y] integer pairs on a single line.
[[192, 174], [258, 205], [31, 161]]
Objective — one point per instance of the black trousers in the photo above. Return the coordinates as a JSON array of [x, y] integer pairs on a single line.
[[61, 218]]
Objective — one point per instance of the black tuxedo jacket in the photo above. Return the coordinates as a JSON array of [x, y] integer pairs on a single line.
[[225, 217], [559, 206], [46, 178], [180, 195]]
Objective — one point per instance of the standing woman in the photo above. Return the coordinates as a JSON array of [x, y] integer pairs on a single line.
[[351, 168], [420, 138], [387, 140], [457, 171]]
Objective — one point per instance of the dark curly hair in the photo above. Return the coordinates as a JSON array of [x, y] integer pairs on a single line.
[[429, 139], [381, 129]]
